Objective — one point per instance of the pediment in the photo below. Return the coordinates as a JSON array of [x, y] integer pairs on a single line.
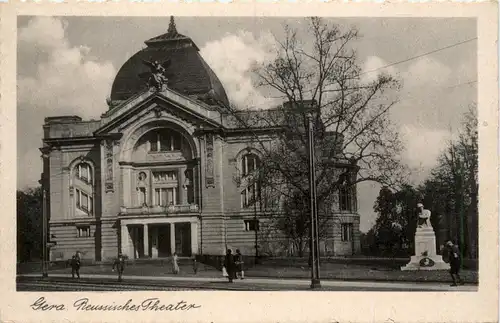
[[158, 104]]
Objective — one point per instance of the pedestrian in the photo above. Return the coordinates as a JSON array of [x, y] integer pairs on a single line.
[[195, 266], [238, 260], [119, 264], [75, 267], [230, 266], [454, 259], [175, 264]]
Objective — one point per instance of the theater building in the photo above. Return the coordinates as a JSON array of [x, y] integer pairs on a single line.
[[156, 173]]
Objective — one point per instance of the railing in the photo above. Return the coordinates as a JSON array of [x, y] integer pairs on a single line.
[[155, 209]]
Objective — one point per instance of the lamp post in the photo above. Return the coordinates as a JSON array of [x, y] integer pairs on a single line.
[[44, 233], [315, 280]]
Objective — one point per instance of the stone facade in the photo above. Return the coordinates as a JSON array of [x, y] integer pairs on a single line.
[[158, 174]]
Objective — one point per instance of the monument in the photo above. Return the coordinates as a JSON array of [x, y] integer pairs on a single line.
[[426, 257]]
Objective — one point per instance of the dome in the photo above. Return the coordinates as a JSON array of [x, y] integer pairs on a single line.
[[187, 73]]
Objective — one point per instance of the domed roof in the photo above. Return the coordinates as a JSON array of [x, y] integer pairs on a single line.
[[187, 73]]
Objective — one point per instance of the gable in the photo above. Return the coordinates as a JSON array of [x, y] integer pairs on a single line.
[[158, 103]]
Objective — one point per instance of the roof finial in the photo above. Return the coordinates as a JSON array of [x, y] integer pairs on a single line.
[[171, 27]]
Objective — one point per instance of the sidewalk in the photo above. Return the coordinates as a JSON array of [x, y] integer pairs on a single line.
[[283, 282]]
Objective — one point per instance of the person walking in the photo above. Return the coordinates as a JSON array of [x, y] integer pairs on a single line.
[[238, 260], [75, 267], [195, 265], [454, 259], [230, 266], [175, 264], [119, 264]]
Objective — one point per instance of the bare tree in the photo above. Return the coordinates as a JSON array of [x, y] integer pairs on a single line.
[[354, 138]]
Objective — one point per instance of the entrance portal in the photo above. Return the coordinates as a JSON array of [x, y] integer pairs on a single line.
[[164, 245]]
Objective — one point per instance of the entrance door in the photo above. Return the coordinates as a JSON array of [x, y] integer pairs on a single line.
[[183, 239], [164, 240]]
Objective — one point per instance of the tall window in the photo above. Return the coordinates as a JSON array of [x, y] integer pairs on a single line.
[[345, 198], [249, 163], [84, 202], [165, 140], [84, 172], [346, 231], [250, 195]]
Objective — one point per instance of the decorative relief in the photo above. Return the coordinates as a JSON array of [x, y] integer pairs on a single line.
[[209, 169], [108, 147]]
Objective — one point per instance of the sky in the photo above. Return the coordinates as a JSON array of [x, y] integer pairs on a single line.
[[66, 66]]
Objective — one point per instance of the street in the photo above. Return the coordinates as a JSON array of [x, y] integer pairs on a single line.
[[135, 283]]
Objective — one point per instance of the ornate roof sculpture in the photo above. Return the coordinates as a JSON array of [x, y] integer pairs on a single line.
[[186, 73]]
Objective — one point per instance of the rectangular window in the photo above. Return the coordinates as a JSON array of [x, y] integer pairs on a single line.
[[83, 231], [251, 225], [165, 196], [347, 231]]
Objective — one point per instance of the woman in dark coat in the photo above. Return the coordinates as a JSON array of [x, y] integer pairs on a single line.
[[230, 266]]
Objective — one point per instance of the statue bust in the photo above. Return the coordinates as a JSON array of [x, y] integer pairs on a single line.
[[424, 217]]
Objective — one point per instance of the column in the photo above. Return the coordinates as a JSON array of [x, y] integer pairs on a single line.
[[124, 236], [172, 238], [194, 238], [146, 240]]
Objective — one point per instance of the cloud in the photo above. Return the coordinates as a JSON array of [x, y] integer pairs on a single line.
[[68, 79], [423, 147], [55, 78], [427, 72], [233, 59], [374, 66]]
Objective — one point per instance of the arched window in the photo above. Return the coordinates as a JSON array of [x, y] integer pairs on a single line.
[[249, 163]]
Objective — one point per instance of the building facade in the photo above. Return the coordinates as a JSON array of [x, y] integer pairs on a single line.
[[156, 173]]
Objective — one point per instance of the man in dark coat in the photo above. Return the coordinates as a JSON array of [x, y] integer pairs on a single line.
[[238, 260], [230, 266], [120, 266], [453, 254], [75, 266]]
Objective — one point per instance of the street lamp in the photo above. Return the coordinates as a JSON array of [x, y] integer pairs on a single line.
[[44, 217], [315, 280], [44, 233]]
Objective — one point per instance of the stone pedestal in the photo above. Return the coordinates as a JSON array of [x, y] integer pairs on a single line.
[[425, 257]]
